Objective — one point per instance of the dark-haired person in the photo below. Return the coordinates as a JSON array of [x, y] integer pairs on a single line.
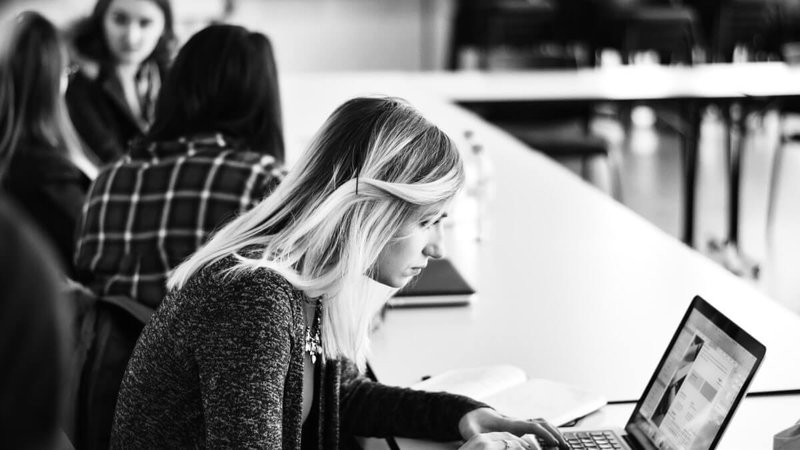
[[122, 51], [214, 150], [43, 166]]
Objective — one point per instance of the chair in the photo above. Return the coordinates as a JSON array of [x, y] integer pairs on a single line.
[[742, 24], [514, 35], [560, 131], [749, 29], [661, 26], [105, 332], [786, 23], [489, 25], [671, 32]]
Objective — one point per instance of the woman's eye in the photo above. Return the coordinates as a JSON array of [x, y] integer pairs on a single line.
[[430, 223], [145, 23], [120, 19]]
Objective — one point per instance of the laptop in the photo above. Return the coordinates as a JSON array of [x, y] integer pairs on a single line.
[[694, 391]]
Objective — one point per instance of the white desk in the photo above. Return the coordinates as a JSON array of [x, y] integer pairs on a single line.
[[692, 87], [756, 421], [572, 285]]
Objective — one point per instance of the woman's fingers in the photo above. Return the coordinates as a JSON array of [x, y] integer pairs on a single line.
[[499, 440], [548, 435]]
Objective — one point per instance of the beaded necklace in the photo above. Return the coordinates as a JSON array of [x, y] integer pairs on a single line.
[[313, 341]]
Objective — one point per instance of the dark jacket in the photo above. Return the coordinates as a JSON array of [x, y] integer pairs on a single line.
[[101, 115], [220, 365], [33, 334], [52, 190]]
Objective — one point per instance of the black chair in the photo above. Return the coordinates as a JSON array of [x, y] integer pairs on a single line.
[[499, 25], [751, 29], [786, 30], [743, 24], [561, 131], [662, 26], [528, 35]]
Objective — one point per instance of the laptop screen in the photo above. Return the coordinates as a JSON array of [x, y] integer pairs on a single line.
[[698, 384]]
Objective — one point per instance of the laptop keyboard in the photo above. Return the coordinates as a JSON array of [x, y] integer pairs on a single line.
[[580, 440]]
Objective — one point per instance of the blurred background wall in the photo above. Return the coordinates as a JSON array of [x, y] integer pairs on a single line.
[[314, 35]]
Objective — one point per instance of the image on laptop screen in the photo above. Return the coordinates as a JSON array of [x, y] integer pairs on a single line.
[[698, 384]]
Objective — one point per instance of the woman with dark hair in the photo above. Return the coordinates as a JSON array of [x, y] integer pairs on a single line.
[[238, 97], [214, 150], [122, 52], [43, 166]]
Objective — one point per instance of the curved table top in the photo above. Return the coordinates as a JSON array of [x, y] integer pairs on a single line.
[[572, 285]]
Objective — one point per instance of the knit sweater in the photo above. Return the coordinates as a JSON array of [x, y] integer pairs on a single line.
[[221, 365]]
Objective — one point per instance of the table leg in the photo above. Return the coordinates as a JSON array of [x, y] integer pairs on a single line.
[[691, 136], [739, 130], [728, 252]]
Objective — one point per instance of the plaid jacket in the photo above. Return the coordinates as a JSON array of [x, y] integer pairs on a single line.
[[147, 212]]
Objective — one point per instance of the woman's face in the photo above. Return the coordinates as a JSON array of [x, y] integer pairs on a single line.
[[405, 256], [132, 29]]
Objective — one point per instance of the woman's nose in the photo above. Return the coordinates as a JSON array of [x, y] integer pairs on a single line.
[[133, 34]]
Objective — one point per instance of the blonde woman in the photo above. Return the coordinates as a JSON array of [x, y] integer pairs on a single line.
[[261, 341]]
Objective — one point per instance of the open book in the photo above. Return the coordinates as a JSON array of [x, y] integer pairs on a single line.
[[509, 391], [440, 284]]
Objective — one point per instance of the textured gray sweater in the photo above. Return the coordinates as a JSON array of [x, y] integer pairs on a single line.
[[220, 365]]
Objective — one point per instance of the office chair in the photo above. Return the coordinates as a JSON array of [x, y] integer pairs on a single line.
[[525, 35], [669, 31], [742, 25], [662, 26], [785, 32], [489, 25], [742, 29], [560, 130]]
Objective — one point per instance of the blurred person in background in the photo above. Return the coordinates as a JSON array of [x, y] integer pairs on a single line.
[[43, 166], [214, 151], [33, 337], [122, 52]]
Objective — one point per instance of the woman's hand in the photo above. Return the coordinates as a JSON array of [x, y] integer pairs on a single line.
[[487, 422], [500, 440]]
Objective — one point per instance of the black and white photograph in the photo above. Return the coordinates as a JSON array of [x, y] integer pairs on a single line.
[[399, 224]]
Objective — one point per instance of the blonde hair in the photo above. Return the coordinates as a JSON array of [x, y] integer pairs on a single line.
[[375, 166]]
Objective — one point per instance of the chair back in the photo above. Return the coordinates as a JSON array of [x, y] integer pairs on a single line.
[[105, 333]]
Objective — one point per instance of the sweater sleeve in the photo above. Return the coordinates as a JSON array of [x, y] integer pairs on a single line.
[[369, 408], [243, 353]]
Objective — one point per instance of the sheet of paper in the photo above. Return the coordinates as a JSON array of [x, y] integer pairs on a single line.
[[556, 402], [477, 382]]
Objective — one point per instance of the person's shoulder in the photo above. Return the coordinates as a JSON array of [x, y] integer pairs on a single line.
[[260, 164], [246, 283], [38, 162], [83, 78], [251, 157], [116, 177]]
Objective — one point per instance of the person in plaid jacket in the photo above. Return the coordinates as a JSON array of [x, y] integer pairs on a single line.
[[214, 151]]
